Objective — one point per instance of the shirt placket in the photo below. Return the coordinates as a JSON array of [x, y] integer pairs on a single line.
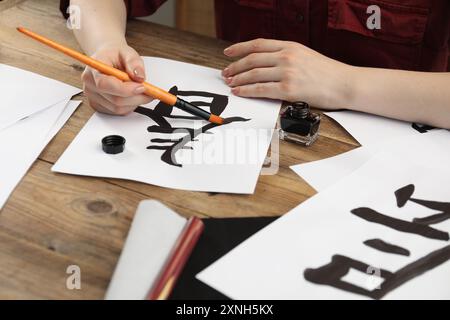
[[293, 20]]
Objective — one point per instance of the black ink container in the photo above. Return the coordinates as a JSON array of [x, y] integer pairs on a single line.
[[298, 124]]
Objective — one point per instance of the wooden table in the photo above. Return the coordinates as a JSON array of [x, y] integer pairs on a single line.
[[53, 220]]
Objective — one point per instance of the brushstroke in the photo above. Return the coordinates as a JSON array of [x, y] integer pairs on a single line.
[[383, 246], [433, 219], [332, 273], [403, 195], [400, 225]]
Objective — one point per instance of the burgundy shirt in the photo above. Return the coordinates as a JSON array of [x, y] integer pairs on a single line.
[[414, 34]]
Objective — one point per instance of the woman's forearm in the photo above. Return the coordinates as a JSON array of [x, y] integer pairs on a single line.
[[103, 22], [420, 97]]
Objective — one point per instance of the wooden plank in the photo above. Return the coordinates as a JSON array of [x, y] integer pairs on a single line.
[[196, 16], [6, 4], [28, 271], [63, 220]]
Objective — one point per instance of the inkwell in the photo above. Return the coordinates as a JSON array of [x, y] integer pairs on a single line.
[[298, 124]]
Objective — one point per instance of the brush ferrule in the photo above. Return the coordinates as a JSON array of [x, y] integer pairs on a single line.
[[190, 108]]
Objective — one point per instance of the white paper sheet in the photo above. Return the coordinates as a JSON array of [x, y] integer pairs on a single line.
[[24, 141], [371, 130], [224, 159], [25, 93], [324, 173], [421, 148], [272, 263], [152, 236]]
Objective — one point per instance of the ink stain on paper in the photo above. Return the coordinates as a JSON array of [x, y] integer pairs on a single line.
[[171, 145]]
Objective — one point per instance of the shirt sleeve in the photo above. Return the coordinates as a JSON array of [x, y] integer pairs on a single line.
[[142, 8], [63, 5], [448, 54], [135, 8]]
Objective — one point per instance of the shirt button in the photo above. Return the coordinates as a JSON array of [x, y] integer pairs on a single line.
[[300, 17]]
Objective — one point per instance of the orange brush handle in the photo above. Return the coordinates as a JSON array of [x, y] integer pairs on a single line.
[[152, 90]]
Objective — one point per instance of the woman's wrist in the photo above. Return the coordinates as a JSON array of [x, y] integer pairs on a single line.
[[362, 88], [111, 43], [340, 86], [94, 43]]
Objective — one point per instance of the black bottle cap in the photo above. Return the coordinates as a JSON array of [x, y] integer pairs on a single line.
[[113, 144]]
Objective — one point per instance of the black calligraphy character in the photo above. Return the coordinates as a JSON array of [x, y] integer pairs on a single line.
[[332, 273], [404, 195], [162, 112], [419, 226]]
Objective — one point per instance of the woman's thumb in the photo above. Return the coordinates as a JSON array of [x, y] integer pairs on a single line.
[[134, 65]]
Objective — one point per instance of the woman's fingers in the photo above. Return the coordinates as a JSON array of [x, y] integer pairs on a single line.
[[112, 94], [110, 85], [101, 104], [269, 90], [98, 107], [109, 94], [134, 65], [106, 84], [119, 101], [254, 46], [252, 61], [133, 101], [254, 76]]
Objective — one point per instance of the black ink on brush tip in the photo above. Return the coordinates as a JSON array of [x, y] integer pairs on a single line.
[[171, 145]]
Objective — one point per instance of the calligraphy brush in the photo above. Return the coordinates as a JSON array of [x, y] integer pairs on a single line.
[[151, 90]]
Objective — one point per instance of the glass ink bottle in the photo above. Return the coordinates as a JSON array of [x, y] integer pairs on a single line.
[[298, 124]]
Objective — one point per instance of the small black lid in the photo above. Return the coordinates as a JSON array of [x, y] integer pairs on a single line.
[[299, 110], [113, 144]]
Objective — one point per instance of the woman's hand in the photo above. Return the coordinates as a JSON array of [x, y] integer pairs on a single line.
[[288, 71], [108, 94]]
